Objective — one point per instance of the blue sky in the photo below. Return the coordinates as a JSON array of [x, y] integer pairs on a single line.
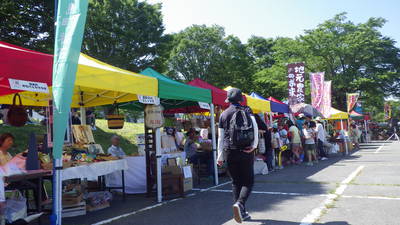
[[267, 18]]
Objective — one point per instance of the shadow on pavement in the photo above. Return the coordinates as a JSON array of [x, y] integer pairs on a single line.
[[216, 208]]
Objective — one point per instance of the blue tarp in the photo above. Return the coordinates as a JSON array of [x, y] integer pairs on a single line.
[[275, 107]]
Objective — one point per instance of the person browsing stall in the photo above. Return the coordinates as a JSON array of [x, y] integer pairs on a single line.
[[114, 149], [236, 144], [295, 141], [309, 136]]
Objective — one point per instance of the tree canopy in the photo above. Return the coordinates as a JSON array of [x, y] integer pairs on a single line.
[[130, 34]]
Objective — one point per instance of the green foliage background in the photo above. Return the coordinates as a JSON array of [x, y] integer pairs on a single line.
[[130, 34]]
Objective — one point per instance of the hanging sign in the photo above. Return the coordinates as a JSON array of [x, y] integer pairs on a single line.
[[24, 85], [154, 116], [296, 83], [149, 100], [204, 105]]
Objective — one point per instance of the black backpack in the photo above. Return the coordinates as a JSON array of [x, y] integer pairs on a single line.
[[241, 130]]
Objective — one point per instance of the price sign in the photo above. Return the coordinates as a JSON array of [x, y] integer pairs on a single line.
[[149, 100], [154, 116]]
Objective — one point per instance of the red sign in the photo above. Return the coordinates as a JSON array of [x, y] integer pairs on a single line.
[[296, 83]]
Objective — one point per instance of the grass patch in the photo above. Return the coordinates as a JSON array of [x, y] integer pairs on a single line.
[[102, 135], [128, 134], [21, 135]]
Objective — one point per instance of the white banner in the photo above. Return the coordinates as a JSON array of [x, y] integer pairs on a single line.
[[24, 85], [204, 105], [149, 100]]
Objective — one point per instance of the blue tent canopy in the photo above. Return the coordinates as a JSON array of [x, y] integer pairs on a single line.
[[275, 107]]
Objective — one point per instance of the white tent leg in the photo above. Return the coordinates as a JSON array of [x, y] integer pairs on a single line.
[[83, 115], [345, 140], [214, 144], [366, 131], [57, 187], [158, 156]]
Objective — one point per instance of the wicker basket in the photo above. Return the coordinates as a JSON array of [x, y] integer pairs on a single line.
[[115, 121]]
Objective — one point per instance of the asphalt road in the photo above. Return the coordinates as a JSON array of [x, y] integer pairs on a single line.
[[361, 189]]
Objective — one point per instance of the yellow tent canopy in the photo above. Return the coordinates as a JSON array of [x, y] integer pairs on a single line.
[[338, 115], [257, 105], [97, 83]]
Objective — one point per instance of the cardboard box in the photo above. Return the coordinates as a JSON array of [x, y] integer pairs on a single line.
[[174, 170], [187, 184], [186, 172]]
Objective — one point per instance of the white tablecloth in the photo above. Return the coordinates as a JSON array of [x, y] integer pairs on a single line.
[[135, 176], [93, 170]]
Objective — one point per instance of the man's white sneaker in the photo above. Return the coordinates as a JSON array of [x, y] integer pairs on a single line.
[[237, 212]]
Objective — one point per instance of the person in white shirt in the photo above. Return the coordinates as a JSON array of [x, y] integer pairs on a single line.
[[309, 136], [114, 149], [321, 138]]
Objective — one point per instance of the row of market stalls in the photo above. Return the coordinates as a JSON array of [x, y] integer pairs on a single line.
[[98, 83]]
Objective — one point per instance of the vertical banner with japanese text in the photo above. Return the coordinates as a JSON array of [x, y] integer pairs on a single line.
[[352, 99], [317, 90], [327, 99], [296, 83]]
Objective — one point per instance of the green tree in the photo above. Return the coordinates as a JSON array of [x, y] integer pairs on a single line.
[[28, 23], [261, 52], [357, 57], [204, 52], [124, 33]]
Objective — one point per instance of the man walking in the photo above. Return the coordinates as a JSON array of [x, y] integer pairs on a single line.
[[238, 137]]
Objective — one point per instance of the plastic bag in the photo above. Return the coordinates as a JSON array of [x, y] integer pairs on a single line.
[[261, 146], [15, 207], [335, 149]]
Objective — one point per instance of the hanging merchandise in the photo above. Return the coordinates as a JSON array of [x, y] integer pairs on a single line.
[[17, 115], [114, 119]]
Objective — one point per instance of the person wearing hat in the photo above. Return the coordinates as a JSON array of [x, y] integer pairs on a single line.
[[240, 160]]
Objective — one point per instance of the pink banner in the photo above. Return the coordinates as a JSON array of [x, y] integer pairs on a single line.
[[327, 99], [296, 83], [317, 89]]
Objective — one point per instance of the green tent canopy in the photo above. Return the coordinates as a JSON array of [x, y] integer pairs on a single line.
[[173, 94]]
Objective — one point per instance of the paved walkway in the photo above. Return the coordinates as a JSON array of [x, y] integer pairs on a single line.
[[361, 189]]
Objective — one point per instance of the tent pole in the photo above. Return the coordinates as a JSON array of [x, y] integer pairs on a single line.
[[366, 130], [214, 143], [83, 115], [344, 136], [158, 156], [270, 119], [57, 179]]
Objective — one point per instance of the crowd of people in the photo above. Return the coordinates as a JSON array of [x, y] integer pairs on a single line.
[[307, 140]]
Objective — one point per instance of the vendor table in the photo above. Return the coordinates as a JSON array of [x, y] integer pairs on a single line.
[[92, 171], [97, 171], [135, 175], [32, 179]]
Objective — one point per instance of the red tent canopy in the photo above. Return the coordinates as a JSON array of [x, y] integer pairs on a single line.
[[22, 64], [275, 100], [218, 95], [218, 98]]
